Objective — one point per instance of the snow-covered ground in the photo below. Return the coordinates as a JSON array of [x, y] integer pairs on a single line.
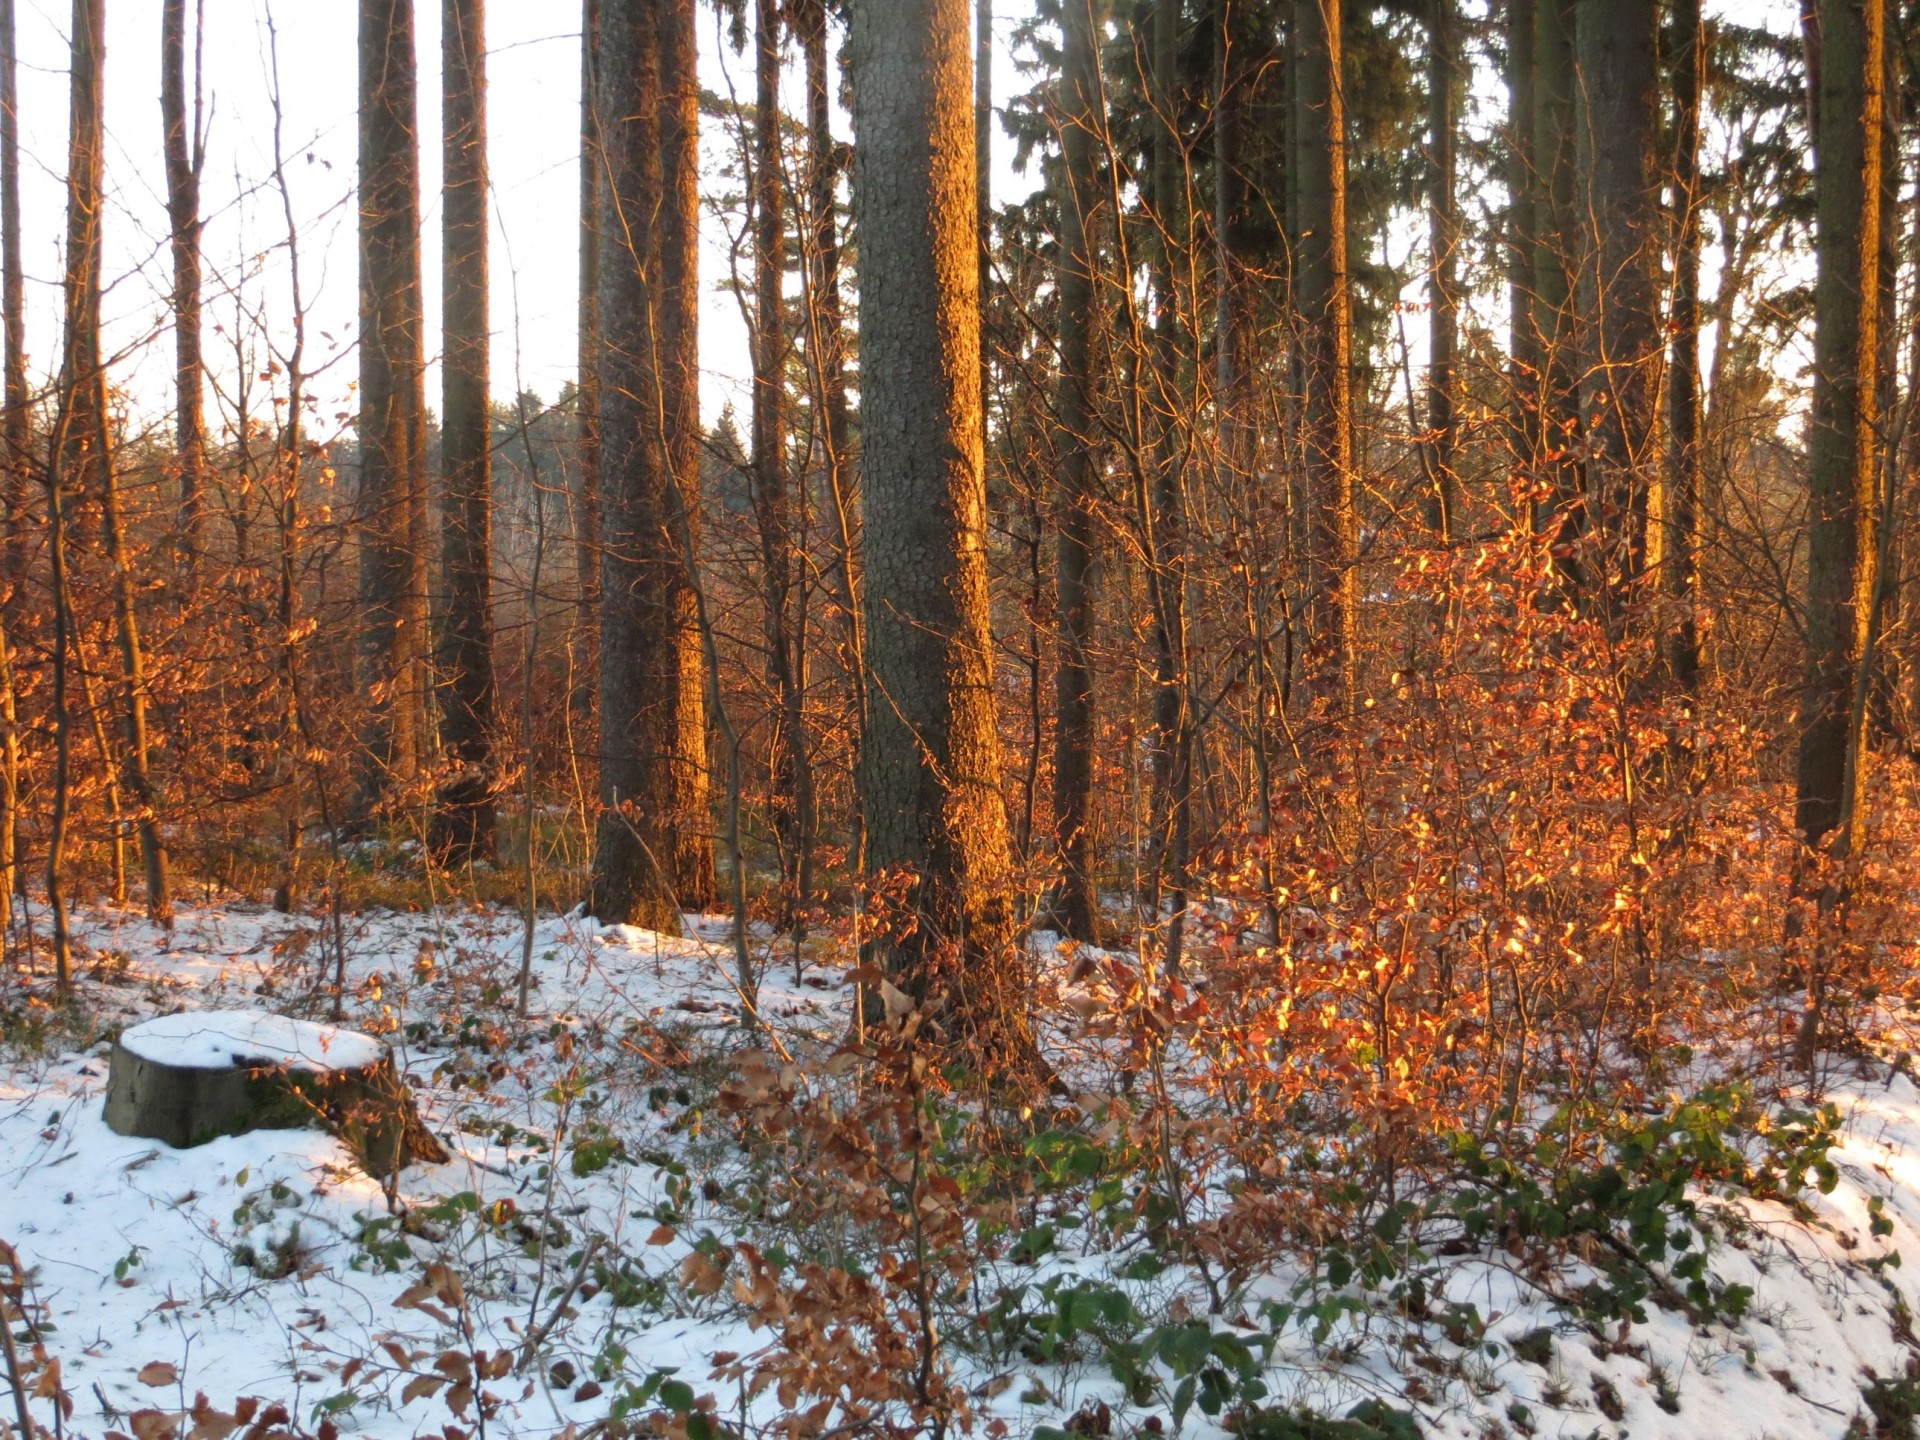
[[268, 1265]]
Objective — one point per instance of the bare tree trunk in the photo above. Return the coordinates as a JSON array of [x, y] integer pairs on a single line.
[[1163, 525], [1562, 515], [678, 302], [1680, 548], [1324, 304], [930, 784], [1526, 356], [792, 788], [464, 819], [983, 191], [1617, 134], [586, 501], [1442, 284], [1072, 909], [1843, 443], [15, 450], [185, 156], [87, 464], [653, 854], [392, 408], [826, 339]]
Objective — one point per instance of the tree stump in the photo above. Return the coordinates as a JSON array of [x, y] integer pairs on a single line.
[[190, 1078]]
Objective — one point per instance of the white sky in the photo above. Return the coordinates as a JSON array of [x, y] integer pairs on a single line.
[[533, 148]]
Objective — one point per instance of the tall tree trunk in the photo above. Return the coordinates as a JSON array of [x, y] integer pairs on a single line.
[[930, 783], [1617, 136], [826, 340], [1323, 301], [678, 301], [87, 460], [1843, 444], [1164, 526], [1232, 316], [185, 154], [1443, 229], [1680, 546], [586, 414], [1081, 128], [983, 188], [1882, 678], [1525, 353], [1562, 514], [392, 409], [653, 851], [15, 450], [772, 497], [464, 815]]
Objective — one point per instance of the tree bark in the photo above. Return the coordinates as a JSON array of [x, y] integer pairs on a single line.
[[1680, 547], [87, 459], [827, 356], [937, 838], [586, 414], [983, 189], [185, 153], [792, 790], [678, 236], [1164, 525], [1323, 301], [1561, 515], [464, 812], [1526, 355], [1072, 909], [1443, 306], [1843, 443], [653, 855], [392, 410], [1617, 136], [15, 450]]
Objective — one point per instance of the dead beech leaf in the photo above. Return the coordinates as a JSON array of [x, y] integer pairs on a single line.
[[663, 1235], [897, 1001], [418, 1386], [154, 1425]]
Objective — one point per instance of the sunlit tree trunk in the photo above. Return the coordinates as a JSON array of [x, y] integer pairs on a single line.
[[586, 414], [1322, 298], [1842, 444], [653, 854], [930, 784], [792, 797], [1081, 185], [1443, 238], [678, 302], [1621, 236], [185, 153], [1525, 356], [86, 459], [464, 811], [1680, 548], [392, 409], [983, 186], [15, 451], [1163, 523], [1562, 513], [826, 339]]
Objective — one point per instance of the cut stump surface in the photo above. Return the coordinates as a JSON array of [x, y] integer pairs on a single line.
[[190, 1078]]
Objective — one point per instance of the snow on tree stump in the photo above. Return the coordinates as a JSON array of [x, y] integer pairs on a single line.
[[190, 1078]]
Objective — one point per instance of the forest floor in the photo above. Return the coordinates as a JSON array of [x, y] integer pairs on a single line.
[[269, 1265]]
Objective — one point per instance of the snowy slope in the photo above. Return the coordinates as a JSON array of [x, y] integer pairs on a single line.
[[266, 1265]]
